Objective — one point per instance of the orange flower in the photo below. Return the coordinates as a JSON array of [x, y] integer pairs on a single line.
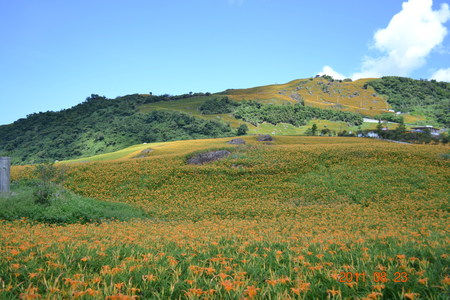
[[149, 277], [121, 297], [228, 285], [446, 280], [119, 285], [411, 296], [251, 291], [272, 282], [96, 280], [374, 295], [423, 281], [334, 292], [378, 287], [14, 252], [347, 267], [223, 275], [381, 268], [53, 290], [296, 291], [91, 292], [30, 293], [335, 276], [303, 287], [284, 280], [195, 292], [400, 256]]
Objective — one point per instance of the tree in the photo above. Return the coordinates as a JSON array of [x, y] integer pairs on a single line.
[[325, 131], [314, 129], [242, 130], [400, 130], [379, 129]]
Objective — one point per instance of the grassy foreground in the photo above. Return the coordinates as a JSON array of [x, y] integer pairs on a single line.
[[299, 218], [62, 207]]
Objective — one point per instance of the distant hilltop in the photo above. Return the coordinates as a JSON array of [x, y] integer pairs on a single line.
[[101, 125]]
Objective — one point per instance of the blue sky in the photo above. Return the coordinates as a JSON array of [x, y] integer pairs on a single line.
[[55, 53]]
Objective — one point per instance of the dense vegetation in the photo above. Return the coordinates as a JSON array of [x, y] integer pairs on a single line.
[[390, 117], [297, 115], [100, 125], [431, 98], [42, 198], [301, 218], [64, 207], [220, 105], [418, 137]]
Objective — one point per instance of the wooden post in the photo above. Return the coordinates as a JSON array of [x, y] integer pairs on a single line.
[[5, 165]]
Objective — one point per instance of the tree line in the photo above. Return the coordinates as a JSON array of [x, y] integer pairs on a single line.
[[429, 98], [100, 125], [257, 113]]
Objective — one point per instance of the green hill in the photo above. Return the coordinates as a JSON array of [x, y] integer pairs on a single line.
[[430, 99], [100, 125], [322, 92]]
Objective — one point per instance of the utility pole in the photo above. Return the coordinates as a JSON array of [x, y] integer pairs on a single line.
[[5, 166]]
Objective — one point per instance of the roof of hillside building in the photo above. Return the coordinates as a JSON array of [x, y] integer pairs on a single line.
[[425, 127]]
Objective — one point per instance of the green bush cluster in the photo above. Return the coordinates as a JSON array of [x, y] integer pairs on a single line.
[[60, 206], [431, 98], [99, 125], [222, 105], [43, 199], [390, 117], [297, 114]]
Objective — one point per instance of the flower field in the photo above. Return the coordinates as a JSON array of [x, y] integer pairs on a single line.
[[300, 218]]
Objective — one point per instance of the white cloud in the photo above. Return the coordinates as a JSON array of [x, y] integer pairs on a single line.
[[441, 75], [407, 40], [327, 70]]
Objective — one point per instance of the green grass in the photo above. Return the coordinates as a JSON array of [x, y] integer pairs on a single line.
[[64, 207], [190, 106], [129, 151], [279, 129]]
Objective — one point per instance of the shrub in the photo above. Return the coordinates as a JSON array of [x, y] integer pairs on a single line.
[[47, 175], [242, 130], [217, 106], [61, 206]]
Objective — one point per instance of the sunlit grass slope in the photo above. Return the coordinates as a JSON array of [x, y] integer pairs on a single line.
[[319, 92], [190, 106], [295, 218]]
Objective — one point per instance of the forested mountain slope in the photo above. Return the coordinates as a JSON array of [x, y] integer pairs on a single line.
[[99, 125]]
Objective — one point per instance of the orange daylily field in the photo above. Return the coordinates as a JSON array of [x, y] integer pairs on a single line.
[[296, 218]]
